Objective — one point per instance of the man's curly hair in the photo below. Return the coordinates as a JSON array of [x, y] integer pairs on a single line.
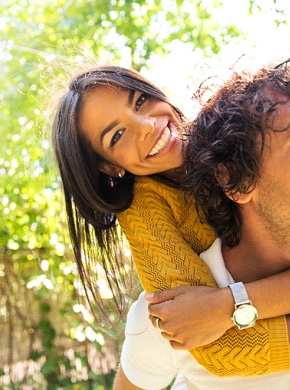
[[228, 136]]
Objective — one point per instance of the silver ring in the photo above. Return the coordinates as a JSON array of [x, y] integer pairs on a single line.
[[157, 324]]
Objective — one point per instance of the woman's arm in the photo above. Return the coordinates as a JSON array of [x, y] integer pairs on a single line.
[[165, 234], [122, 382]]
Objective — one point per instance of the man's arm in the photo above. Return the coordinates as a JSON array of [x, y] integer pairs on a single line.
[[209, 310]]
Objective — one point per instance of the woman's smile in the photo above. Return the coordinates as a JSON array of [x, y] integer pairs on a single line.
[[165, 140]]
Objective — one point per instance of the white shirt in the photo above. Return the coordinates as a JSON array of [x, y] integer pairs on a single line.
[[151, 363]]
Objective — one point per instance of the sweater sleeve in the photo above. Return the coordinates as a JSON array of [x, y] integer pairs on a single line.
[[165, 235]]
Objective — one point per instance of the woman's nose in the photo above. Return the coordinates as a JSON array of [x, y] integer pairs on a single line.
[[145, 127]]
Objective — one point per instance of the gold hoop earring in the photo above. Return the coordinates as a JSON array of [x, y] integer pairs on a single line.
[[120, 175]]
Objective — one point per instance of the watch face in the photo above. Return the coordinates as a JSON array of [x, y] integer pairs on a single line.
[[245, 315]]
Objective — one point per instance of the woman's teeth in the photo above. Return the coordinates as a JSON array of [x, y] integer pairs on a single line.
[[162, 142]]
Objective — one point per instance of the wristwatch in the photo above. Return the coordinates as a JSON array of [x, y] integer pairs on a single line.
[[245, 314]]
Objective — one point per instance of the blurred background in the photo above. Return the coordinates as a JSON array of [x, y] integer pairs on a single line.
[[48, 336]]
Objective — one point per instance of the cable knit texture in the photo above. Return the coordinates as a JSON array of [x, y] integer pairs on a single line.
[[166, 236]]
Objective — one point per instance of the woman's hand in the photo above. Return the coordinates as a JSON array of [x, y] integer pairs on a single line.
[[190, 317]]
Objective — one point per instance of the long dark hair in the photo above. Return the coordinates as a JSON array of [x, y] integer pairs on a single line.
[[92, 197], [230, 130]]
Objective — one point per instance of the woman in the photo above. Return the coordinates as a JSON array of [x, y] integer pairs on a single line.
[[111, 126]]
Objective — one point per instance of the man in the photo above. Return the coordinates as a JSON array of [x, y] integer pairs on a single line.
[[238, 171]]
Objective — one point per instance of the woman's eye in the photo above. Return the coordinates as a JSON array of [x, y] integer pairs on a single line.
[[142, 98], [116, 137]]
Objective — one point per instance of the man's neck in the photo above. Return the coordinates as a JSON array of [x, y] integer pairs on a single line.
[[257, 255]]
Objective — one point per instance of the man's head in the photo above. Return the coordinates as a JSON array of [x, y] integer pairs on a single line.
[[239, 151]]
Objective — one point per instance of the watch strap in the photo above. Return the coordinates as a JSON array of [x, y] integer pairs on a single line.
[[239, 293]]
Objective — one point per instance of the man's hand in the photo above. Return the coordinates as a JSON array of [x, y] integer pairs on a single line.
[[190, 317]]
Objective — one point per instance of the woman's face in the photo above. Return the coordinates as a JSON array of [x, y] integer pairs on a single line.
[[131, 130]]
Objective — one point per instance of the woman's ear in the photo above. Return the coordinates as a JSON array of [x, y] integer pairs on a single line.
[[111, 169], [222, 176]]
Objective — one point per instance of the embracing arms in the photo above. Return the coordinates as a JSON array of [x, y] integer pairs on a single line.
[[209, 310], [165, 234]]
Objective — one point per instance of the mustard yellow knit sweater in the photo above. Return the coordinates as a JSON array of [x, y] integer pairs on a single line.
[[165, 235]]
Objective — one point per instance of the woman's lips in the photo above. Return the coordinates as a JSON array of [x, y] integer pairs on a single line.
[[161, 143]]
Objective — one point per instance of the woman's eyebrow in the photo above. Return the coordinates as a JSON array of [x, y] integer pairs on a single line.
[[107, 129], [131, 97]]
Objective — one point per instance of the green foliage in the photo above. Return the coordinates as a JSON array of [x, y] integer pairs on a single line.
[[41, 307], [106, 29]]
